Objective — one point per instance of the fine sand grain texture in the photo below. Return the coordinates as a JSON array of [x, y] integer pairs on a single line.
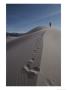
[[50, 68], [23, 59]]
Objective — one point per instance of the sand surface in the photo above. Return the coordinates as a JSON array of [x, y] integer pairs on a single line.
[[8, 39], [43, 47], [19, 53], [50, 68]]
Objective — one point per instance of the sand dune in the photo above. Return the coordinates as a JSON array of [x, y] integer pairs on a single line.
[[50, 68], [27, 59], [19, 52]]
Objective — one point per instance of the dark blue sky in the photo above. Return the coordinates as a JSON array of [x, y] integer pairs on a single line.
[[23, 17]]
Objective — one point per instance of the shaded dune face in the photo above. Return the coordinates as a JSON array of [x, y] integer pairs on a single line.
[[23, 59]]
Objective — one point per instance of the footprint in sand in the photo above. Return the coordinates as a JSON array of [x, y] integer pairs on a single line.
[[33, 59], [31, 72], [36, 51]]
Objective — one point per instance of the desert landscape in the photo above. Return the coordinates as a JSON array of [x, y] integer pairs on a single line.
[[33, 44], [34, 59]]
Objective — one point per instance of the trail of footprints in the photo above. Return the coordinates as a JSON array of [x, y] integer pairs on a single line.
[[29, 72], [32, 67]]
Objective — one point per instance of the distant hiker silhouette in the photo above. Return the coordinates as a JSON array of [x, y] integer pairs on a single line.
[[50, 24]]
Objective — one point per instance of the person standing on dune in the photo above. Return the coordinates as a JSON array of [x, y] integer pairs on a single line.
[[50, 24]]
